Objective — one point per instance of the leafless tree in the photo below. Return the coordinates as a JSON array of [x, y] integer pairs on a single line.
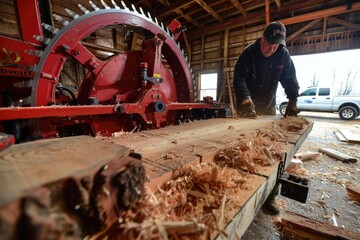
[[314, 82], [346, 87]]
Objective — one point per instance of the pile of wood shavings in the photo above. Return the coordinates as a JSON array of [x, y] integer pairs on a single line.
[[256, 149], [291, 124], [194, 205]]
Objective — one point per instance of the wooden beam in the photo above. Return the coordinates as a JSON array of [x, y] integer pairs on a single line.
[[259, 17], [267, 11], [307, 26], [299, 226], [278, 3], [180, 12], [174, 6], [188, 18], [188, 47], [344, 23], [323, 32], [239, 7], [321, 14], [254, 18], [354, 191], [210, 10]]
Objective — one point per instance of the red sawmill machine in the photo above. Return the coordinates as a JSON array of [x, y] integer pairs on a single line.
[[145, 87], [129, 89]]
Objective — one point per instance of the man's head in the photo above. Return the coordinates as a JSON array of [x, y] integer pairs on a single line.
[[273, 36], [275, 33]]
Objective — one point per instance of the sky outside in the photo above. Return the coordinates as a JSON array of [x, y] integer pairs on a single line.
[[324, 65]]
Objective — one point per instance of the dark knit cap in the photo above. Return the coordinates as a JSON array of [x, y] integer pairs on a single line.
[[275, 33]]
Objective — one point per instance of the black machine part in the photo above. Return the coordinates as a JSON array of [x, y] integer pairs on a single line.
[[294, 187]]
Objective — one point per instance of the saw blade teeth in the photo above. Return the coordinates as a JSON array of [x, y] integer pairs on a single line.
[[83, 9], [141, 11], [96, 8], [182, 51], [114, 4], [124, 5], [104, 4], [162, 26], [71, 13], [168, 32], [60, 20], [149, 16], [156, 21], [178, 44], [134, 8], [42, 39], [50, 28], [36, 53]]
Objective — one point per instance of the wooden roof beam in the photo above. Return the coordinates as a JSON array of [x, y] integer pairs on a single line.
[[267, 11], [188, 18], [344, 23], [321, 14], [210, 10], [179, 12], [174, 6], [278, 3], [239, 7], [303, 29]]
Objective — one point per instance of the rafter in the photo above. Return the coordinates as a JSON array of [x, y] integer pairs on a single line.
[[174, 6], [210, 10], [303, 29], [239, 7], [181, 14], [321, 14], [278, 3], [257, 18], [188, 18], [344, 23]]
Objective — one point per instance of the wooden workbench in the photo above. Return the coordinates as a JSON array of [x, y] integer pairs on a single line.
[[27, 167], [169, 148]]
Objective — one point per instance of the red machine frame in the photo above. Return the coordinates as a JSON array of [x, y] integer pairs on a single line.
[[160, 99]]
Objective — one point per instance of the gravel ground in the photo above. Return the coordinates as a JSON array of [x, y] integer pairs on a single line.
[[328, 177]]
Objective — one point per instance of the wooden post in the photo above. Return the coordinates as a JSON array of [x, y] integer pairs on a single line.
[[267, 11], [226, 71]]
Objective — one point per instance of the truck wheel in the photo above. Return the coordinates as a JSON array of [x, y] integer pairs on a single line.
[[282, 109], [348, 112]]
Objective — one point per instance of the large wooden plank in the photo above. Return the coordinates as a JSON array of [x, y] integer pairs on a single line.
[[189, 143], [168, 148], [301, 227], [26, 166]]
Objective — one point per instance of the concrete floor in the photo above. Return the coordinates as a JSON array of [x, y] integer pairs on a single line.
[[328, 178]]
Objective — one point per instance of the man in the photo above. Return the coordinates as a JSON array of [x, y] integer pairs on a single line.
[[257, 72]]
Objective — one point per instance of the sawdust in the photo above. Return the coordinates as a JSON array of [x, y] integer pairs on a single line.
[[200, 199], [198, 196]]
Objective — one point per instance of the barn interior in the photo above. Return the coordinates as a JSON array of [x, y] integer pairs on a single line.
[[106, 131]]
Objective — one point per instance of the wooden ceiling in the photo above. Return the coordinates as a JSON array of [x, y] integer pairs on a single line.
[[303, 18], [205, 16]]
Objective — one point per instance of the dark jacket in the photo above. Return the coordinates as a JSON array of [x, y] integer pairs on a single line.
[[258, 76]]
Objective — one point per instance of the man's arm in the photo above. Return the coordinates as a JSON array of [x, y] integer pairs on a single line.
[[288, 79], [242, 72], [291, 86]]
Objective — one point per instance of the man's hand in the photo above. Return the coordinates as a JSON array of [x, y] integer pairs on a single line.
[[291, 109], [247, 107]]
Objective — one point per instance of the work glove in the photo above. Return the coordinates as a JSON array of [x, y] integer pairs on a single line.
[[247, 108], [291, 109]]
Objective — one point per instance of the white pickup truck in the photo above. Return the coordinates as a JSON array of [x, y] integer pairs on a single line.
[[323, 99]]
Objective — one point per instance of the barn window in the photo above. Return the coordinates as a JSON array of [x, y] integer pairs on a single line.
[[208, 83]]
